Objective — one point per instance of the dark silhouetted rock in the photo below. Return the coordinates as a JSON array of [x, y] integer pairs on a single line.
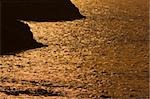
[[15, 35], [40, 10]]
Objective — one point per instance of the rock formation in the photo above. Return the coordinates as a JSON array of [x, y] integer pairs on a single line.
[[15, 35]]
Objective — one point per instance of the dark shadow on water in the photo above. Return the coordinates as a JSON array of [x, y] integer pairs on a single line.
[[31, 92], [47, 91], [16, 36], [31, 82]]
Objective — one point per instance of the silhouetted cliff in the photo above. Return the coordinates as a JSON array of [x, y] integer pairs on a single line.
[[15, 35], [40, 10]]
